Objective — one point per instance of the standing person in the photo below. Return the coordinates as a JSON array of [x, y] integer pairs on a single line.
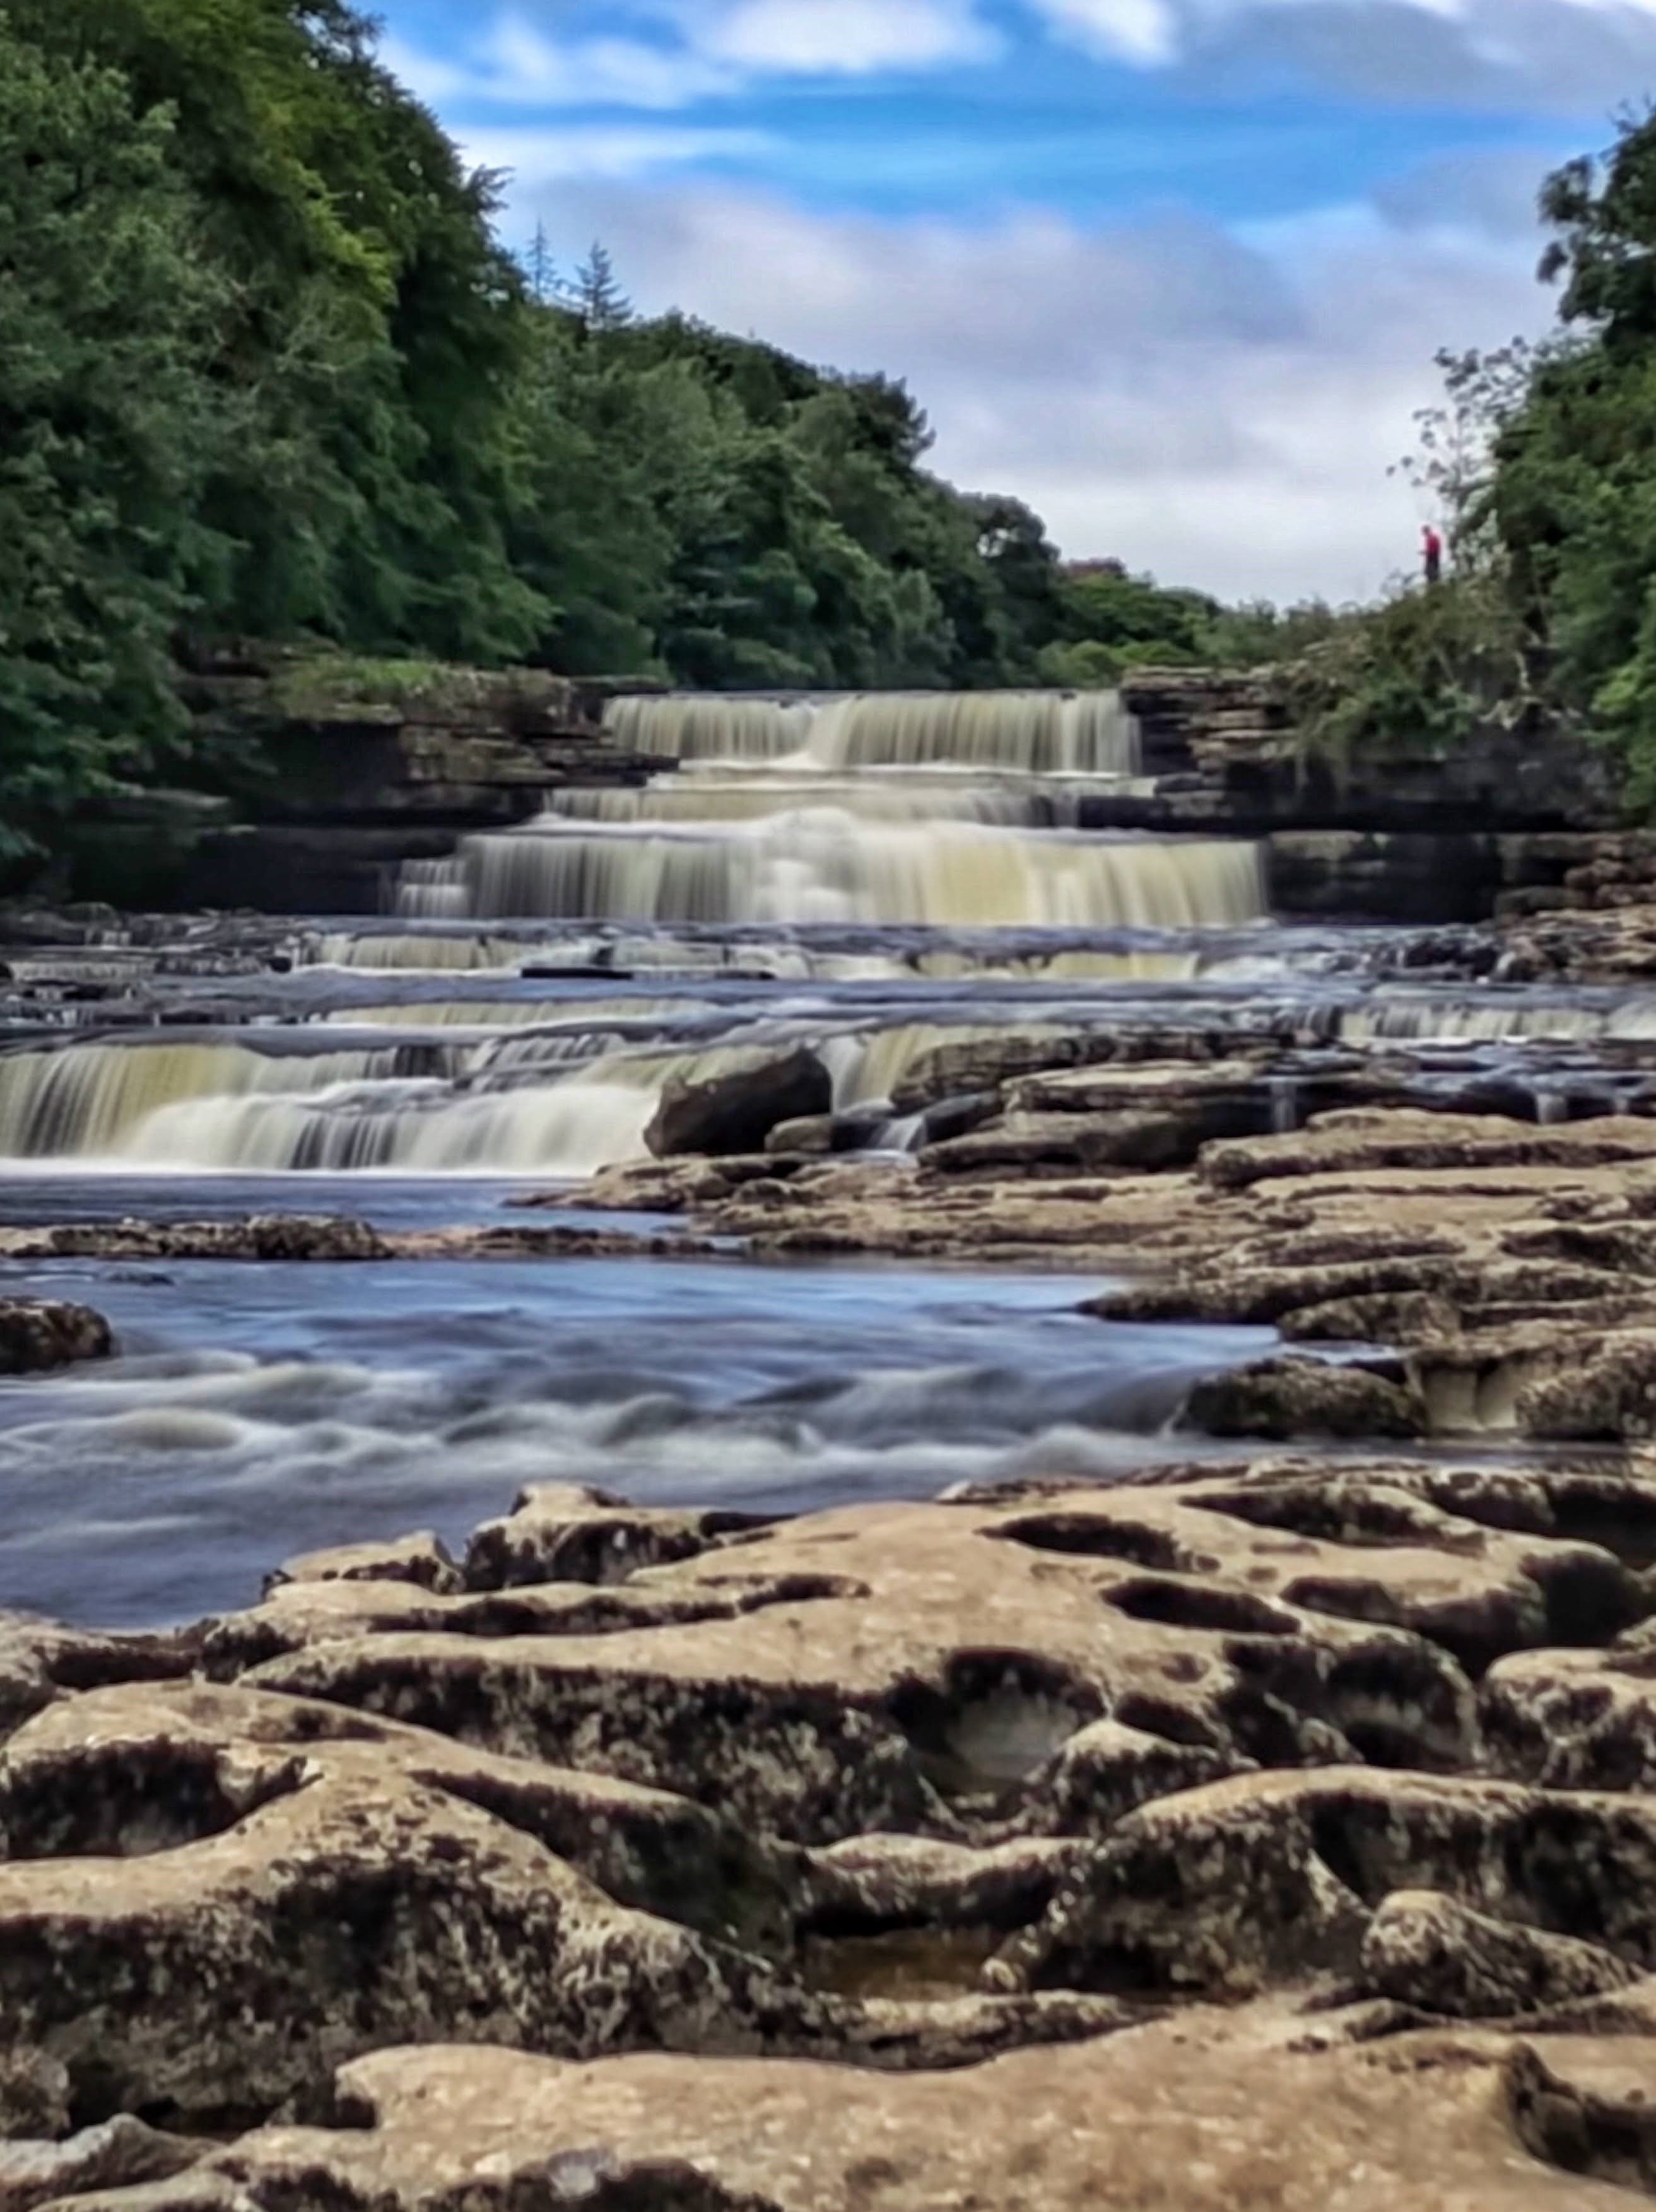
[[1432, 548]]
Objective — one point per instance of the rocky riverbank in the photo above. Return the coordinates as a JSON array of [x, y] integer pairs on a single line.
[[1306, 1807]]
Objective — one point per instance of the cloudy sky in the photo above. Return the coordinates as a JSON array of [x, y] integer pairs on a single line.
[[1172, 270]]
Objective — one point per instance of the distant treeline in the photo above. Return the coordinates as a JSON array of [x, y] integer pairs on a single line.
[[268, 371]]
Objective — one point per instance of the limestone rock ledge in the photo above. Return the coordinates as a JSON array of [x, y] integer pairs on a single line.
[[1282, 1835]]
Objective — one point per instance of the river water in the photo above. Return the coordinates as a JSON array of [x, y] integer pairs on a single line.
[[872, 878]]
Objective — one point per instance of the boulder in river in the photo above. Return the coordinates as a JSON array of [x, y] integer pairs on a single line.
[[734, 1105], [1292, 1397], [36, 1334]]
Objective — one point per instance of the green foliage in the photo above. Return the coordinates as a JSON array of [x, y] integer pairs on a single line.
[[1571, 498], [1418, 673], [108, 425]]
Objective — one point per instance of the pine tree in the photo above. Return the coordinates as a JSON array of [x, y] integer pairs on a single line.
[[598, 298], [540, 270]]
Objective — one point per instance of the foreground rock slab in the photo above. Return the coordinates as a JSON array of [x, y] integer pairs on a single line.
[[1217, 2113], [1271, 1839]]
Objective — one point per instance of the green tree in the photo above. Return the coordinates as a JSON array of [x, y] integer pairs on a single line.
[[595, 295], [108, 427]]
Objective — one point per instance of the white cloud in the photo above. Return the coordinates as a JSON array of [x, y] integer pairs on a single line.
[[533, 158], [1563, 52], [841, 37], [512, 63], [1142, 31], [1222, 411], [714, 49]]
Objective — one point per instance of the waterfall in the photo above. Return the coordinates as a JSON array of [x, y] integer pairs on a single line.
[[92, 1097], [1037, 733], [1425, 1021], [413, 950], [563, 1128], [707, 727], [1007, 802], [822, 865], [553, 1102]]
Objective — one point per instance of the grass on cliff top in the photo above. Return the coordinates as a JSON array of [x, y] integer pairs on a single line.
[[326, 685]]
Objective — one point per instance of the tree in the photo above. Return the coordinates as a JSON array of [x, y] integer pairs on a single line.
[[109, 424], [540, 270], [596, 296]]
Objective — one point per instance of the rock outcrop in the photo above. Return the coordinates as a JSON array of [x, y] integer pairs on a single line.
[[735, 1103], [39, 1333], [1262, 1837]]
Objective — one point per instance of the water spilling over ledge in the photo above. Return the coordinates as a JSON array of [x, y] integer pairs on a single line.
[[825, 865], [940, 809], [1036, 732]]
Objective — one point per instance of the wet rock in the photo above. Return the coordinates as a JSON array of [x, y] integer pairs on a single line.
[[958, 1116], [37, 1334], [1287, 1398], [817, 1136], [983, 1061], [1437, 1955], [258, 1236], [1062, 1143], [421, 1560], [559, 1532], [734, 1107]]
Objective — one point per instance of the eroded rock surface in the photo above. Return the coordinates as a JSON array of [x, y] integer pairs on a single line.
[[1219, 2113], [431, 1847]]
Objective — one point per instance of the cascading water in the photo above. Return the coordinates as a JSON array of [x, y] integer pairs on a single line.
[[1426, 1021], [936, 810], [837, 840], [1036, 732], [822, 866]]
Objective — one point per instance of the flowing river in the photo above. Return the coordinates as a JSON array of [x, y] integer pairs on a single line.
[[871, 878]]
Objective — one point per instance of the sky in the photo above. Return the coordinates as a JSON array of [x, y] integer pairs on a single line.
[[1172, 271]]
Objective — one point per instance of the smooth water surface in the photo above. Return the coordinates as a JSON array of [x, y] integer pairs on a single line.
[[259, 1411]]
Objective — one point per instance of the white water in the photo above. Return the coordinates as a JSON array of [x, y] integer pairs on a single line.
[[920, 811], [1426, 1021], [551, 1101], [822, 866], [95, 1097], [1036, 732], [932, 810]]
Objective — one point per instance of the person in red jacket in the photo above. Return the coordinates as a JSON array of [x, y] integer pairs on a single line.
[[1432, 551]]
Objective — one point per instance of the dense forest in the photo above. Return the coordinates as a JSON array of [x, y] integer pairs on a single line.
[[267, 370]]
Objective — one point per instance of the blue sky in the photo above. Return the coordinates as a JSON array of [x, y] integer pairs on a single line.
[[1174, 270]]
